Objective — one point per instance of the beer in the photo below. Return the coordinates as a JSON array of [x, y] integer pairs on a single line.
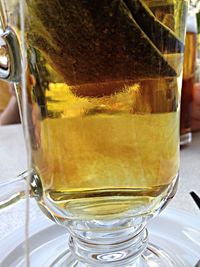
[[188, 80], [105, 106], [100, 97], [109, 155]]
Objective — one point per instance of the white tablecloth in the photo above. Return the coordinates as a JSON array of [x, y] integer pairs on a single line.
[[13, 162]]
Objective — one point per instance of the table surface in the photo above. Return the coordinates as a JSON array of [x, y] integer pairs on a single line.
[[13, 162]]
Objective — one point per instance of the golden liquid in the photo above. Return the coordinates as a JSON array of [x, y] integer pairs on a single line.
[[188, 82], [189, 55], [110, 155], [106, 144]]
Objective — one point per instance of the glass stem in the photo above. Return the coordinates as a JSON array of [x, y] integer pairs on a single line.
[[108, 244]]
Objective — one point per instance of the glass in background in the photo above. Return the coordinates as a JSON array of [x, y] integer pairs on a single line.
[[196, 89], [188, 80], [198, 39]]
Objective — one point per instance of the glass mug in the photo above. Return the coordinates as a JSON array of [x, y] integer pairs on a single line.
[[103, 82]]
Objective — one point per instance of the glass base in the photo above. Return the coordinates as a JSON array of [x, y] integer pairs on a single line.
[[186, 139], [49, 242], [151, 257], [114, 243]]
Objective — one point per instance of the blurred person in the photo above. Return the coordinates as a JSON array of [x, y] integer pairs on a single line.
[[4, 95], [9, 112], [9, 109]]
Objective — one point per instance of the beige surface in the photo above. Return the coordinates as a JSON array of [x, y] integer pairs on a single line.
[[13, 161]]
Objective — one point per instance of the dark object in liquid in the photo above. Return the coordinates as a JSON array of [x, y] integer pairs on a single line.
[[164, 39], [94, 41]]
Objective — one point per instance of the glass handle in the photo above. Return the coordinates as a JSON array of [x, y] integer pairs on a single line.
[[10, 56], [15, 189]]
